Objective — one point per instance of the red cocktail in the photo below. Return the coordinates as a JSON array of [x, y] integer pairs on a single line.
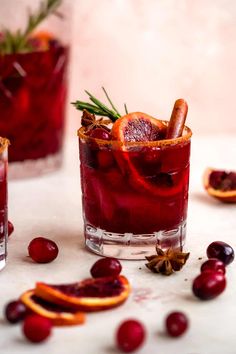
[[32, 106], [3, 201], [134, 194]]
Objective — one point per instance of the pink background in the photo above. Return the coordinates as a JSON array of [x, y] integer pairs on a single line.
[[147, 53]]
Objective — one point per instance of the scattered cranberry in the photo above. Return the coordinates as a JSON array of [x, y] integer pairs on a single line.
[[15, 311], [222, 251], [130, 335], [37, 328], [43, 250], [100, 133], [106, 267], [213, 264], [10, 228], [208, 285], [176, 324]]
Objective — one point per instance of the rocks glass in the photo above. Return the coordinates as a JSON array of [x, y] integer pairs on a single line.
[[135, 194]]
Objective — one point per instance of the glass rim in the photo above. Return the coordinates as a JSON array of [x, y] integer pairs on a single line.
[[4, 142], [164, 142]]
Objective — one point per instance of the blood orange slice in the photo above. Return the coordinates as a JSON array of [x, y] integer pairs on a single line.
[[88, 295], [141, 162], [138, 126], [57, 314], [220, 184]]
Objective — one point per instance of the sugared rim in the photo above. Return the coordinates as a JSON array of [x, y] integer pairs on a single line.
[[4, 142], [165, 142]]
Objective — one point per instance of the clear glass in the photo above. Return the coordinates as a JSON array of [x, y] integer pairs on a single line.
[[134, 195], [3, 202], [33, 93]]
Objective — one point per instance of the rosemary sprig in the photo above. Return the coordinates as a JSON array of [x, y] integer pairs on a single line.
[[18, 41], [98, 108]]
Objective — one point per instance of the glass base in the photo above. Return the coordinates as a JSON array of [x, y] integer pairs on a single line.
[[34, 168], [133, 246]]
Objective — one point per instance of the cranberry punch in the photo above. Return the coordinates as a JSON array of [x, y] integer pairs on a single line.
[[3, 201], [134, 179], [33, 86]]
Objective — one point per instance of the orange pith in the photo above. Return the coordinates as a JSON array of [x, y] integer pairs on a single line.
[[58, 318], [84, 303], [223, 196]]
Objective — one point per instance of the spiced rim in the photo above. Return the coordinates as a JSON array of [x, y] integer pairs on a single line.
[[4, 142], [165, 142]]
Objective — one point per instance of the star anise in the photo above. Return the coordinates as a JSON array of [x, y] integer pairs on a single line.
[[89, 121], [166, 262]]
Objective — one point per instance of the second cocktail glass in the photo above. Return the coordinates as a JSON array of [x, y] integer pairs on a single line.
[[135, 194]]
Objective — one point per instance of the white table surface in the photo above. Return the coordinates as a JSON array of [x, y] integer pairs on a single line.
[[51, 206]]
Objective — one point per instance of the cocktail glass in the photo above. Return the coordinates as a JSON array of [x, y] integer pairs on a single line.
[[33, 91], [134, 194], [3, 201]]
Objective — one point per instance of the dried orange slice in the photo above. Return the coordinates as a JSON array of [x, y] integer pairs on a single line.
[[58, 315], [88, 295], [137, 126], [220, 184]]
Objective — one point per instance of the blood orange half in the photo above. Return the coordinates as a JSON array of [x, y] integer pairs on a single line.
[[220, 184]]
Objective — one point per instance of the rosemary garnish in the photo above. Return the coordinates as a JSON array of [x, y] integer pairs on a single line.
[[97, 107], [18, 41]]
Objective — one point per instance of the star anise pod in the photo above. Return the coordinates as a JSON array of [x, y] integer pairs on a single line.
[[89, 121], [166, 262]]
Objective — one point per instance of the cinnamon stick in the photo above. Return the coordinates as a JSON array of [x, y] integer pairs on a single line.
[[177, 120]]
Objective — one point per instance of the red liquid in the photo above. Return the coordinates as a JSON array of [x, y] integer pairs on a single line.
[[32, 102], [140, 191]]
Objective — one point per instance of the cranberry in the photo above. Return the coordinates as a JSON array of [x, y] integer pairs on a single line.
[[43, 250], [213, 264], [176, 324], [10, 228], [130, 335], [106, 267], [36, 328], [15, 311], [100, 133], [222, 251], [208, 285]]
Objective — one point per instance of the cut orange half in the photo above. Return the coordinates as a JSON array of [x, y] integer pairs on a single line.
[[57, 314], [88, 295], [220, 184]]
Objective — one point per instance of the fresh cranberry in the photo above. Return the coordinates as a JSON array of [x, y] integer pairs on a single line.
[[37, 328], [130, 335], [105, 158], [10, 228], [100, 133], [176, 324], [43, 250], [208, 285], [15, 311], [213, 264], [106, 267], [222, 251]]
